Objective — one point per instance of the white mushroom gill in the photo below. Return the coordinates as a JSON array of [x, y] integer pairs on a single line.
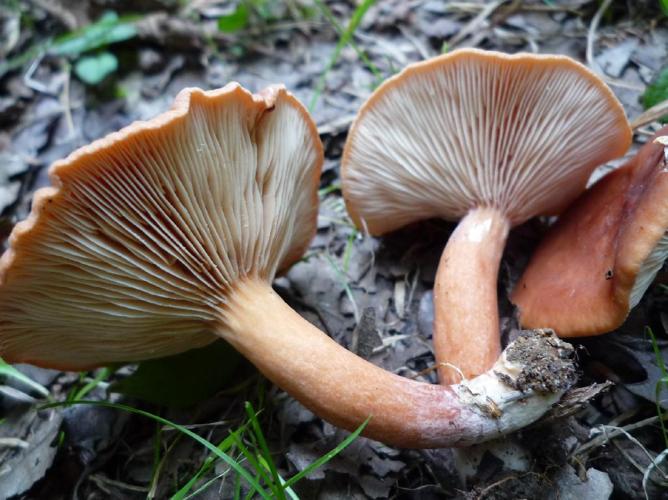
[[149, 227], [518, 133], [648, 270]]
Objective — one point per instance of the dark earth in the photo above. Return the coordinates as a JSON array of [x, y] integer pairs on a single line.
[[371, 295]]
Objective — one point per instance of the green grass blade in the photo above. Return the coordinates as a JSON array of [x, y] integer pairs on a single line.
[[210, 446], [250, 457], [8, 370], [356, 18], [102, 374], [347, 252], [343, 280], [290, 492], [223, 446], [327, 456], [262, 442], [344, 39]]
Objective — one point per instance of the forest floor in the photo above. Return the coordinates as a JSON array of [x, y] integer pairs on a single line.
[[124, 61]]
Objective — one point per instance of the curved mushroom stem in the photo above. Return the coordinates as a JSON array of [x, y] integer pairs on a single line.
[[466, 317], [344, 389]]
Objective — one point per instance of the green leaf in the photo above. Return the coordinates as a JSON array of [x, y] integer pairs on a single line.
[[235, 21], [664, 7], [107, 30], [657, 91], [93, 69], [184, 379]]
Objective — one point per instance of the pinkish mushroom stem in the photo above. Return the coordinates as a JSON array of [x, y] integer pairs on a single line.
[[345, 389], [466, 317]]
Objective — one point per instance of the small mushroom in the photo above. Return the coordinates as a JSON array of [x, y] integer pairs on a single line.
[[600, 257], [488, 138], [166, 235]]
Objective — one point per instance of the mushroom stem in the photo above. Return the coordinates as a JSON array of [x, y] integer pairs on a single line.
[[466, 317], [345, 390]]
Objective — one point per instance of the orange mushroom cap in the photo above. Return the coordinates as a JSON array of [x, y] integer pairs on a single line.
[[598, 259]]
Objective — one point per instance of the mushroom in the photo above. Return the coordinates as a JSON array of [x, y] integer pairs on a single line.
[[599, 258], [488, 138], [168, 234]]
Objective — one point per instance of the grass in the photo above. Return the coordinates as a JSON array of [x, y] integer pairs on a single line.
[[85, 386], [245, 451], [345, 38], [8, 371]]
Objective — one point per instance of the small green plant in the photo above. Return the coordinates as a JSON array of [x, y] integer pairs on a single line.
[[109, 29], [657, 91], [345, 38], [235, 20], [86, 47], [251, 13], [254, 464]]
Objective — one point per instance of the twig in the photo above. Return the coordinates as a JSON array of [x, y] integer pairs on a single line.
[[10, 442], [425, 52], [591, 34], [652, 114], [32, 83], [591, 39], [475, 23], [65, 102], [102, 481], [611, 434], [655, 464], [573, 401], [523, 7]]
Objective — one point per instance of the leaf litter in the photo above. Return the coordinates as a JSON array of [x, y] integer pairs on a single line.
[[49, 108]]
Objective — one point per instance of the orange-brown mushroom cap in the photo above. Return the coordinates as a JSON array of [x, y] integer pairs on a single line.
[[472, 128], [601, 255], [132, 252]]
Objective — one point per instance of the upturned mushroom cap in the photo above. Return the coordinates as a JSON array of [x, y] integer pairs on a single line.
[[132, 252], [520, 133], [597, 261]]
